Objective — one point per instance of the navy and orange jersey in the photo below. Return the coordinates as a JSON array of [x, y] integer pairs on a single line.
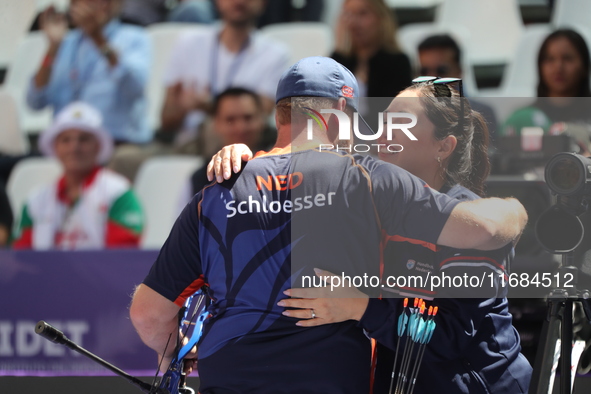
[[475, 348], [264, 231]]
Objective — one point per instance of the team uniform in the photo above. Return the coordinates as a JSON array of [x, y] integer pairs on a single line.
[[262, 232], [475, 348], [106, 215]]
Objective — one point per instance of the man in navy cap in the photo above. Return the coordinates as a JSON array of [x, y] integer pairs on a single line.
[[291, 211]]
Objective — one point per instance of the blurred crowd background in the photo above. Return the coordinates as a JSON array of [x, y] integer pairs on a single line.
[[109, 109]]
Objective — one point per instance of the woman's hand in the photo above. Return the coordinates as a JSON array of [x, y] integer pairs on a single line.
[[324, 305], [229, 158]]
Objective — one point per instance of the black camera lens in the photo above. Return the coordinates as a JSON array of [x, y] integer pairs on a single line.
[[566, 174], [559, 231]]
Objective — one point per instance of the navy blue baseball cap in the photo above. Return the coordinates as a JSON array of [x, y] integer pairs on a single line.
[[319, 76]]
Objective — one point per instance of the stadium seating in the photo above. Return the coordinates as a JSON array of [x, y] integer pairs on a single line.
[[13, 141], [16, 18], [60, 5], [494, 27], [158, 184], [521, 76], [412, 3], [164, 37], [23, 66], [571, 13], [28, 175], [303, 39]]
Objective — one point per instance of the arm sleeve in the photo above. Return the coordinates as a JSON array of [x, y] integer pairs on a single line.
[[126, 221], [407, 206], [37, 98], [462, 310], [459, 318], [177, 272], [131, 71]]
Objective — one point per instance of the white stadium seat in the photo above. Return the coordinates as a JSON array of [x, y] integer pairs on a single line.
[[163, 37], [494, 27], [303, 39], [16, 18], [28, 175], [13, 141], [158, 184], [331, 11], [60, 5], [571, 13], [22, 68], [521, 75], [412, 3]]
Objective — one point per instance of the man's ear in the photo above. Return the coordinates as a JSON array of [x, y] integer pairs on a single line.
[[341, 104], [447, 146]]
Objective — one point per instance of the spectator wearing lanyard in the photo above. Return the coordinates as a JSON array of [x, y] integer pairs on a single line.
[[102, 62], [203, 64], [89, 207]]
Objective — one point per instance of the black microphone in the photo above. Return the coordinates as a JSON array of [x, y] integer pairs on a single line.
[[54, 335], [51, 333]]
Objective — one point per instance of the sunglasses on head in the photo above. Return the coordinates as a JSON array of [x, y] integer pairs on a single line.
[[446, 81], [441, 81]]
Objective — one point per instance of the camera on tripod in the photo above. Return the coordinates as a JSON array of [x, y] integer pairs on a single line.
[[559, 229]]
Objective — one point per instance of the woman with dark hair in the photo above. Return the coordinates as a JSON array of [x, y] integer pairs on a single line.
[[563, 75], [475, 348], [564, 65]]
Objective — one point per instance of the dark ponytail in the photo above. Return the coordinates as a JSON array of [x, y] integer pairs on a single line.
[[468, 165]]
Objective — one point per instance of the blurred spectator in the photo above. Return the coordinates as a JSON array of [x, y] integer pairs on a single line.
[[282, 11], [238, 118], [146, 12], [563, 76], [102, 62], [88, 207], [366, 45], [203, 64], [5, 217], [441, 56]]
